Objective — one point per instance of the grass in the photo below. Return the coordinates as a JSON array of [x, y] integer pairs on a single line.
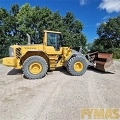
[[0, 61], [117, 60]]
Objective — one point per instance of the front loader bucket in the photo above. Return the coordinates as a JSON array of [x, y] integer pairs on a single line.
[[103, 61]]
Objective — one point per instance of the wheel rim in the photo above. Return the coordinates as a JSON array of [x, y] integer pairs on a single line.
[[35, 68], [78, 66]]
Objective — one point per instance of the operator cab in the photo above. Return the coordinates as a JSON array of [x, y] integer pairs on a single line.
[[54, 39]]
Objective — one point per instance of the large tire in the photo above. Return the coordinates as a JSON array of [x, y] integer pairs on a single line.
[[35, 67], [77, 66]]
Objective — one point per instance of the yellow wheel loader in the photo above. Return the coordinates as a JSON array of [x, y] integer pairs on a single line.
[[36, 59]]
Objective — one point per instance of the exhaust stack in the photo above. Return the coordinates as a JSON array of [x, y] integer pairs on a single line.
[[29, 40]]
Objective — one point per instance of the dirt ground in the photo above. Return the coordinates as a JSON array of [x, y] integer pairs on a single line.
[[58, 96]]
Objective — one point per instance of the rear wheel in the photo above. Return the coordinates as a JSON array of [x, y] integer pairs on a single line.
[[35, 67], [77, 66]]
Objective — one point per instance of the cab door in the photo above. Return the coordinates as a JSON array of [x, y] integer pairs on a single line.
[[53, 43]]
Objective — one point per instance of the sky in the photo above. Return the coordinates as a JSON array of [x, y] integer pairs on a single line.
[[90, 12]]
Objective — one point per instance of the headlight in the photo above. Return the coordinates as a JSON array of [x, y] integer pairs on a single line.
[[11, 52]]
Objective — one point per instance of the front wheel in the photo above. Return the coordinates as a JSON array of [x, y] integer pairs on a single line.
[[77, 66], [35, 67]]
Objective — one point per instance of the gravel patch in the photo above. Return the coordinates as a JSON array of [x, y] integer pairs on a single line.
[[58, 96]]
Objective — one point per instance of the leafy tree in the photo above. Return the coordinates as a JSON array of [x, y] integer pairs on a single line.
[[14, 25], [4, 43], [15, 9], [109, 36], [72, 33]]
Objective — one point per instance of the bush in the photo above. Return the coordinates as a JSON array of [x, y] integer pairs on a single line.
[[0, 61], [116, 53]]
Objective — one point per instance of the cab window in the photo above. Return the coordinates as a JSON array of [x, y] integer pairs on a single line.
[[53, 39]]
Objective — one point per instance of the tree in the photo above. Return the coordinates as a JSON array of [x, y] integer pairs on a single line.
[[37, 19], [4, 43], [15, 23], [109, 35], [15, 9], [72, 31]]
